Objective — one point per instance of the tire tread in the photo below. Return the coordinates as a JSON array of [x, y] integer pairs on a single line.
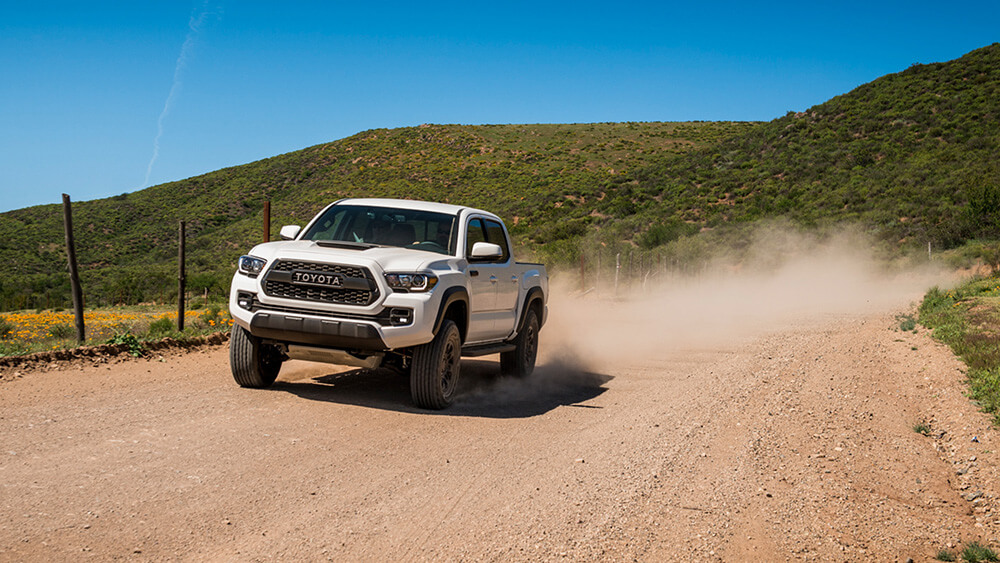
[[425, 386], [246, 362], [515, 363]]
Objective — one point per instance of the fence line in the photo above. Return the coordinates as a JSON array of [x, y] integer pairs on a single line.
[[610, 273]]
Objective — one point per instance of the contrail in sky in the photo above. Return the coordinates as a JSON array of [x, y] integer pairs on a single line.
[[194, 28]]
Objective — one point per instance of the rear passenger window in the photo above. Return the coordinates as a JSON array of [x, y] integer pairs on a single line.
[[494, 231]]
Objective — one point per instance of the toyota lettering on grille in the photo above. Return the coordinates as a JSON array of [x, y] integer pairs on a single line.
[[320, 279]]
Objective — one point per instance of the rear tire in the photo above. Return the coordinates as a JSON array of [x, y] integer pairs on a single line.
[[435, 371], [520, 362], [253, 364]]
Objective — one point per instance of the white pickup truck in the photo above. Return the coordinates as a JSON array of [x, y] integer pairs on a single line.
[[372, 282]]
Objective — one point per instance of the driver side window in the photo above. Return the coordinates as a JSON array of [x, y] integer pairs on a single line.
[[475, 233]]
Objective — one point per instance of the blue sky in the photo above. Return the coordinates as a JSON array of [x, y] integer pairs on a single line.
[[102, 98]]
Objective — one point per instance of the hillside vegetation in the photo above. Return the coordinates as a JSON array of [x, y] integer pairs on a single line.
[[127, 245], [966, 319], [911, 157], [905, 155]]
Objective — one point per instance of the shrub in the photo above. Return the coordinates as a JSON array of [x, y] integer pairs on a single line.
[[6, 327], [990, 255], [62, 331], [963, 318], [211, 316], [936, 304], [667, 231], [161, 326], [975, 552], [982, 215], [214, 317], [906, 323], [135, 347]]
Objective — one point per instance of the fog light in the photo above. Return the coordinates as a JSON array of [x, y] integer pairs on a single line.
[[400, 316], [245, 300]]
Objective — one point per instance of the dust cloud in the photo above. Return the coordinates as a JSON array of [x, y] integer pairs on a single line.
[[781, 280]]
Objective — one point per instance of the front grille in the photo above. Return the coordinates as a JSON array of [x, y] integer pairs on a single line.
[[280, 286], [349, 271], [341, 296]]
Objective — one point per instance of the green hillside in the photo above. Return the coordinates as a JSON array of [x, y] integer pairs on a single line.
[[904, 155], [912, 157], [127, 244]]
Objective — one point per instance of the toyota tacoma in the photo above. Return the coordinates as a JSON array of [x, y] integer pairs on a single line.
[[379, 282]]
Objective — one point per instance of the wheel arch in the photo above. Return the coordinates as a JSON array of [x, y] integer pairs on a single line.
[[454, 307], [534, 300]]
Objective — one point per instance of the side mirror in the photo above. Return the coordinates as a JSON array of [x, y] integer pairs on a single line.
[[289, 232], [486, 251]]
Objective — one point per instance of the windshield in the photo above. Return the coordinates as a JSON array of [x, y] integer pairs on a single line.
[[385, 226]]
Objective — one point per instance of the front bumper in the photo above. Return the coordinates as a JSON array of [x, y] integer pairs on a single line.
[[323, 332], [400, 320]]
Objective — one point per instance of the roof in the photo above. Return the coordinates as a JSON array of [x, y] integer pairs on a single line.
[[431, 206]]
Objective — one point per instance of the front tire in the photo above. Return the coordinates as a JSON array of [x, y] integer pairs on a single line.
[[435, 371], [253, 364], [520, 362]]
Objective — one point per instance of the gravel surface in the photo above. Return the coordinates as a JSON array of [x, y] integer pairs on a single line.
[[794, 442]]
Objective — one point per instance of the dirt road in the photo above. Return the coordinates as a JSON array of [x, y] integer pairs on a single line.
[[794, 442]]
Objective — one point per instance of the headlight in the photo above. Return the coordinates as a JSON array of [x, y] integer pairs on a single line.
[[410, 282], [251, 265]]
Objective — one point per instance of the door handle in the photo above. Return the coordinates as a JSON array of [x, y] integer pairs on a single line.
[[513, 279], [493, 279], [473, 273]]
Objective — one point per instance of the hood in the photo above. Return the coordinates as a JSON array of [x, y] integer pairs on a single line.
[[384, 258]]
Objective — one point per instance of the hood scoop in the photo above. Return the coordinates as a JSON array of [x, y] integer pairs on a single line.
[[345, 244]]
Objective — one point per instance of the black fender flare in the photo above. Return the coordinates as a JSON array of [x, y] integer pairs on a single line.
[[452, 295], [534, 294]]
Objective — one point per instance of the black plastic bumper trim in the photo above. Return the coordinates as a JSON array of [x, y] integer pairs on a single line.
[[384, 317], [329, 333]]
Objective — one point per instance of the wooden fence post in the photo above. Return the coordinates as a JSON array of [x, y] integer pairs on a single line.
[[597, 278], [618, 269], [267, 221], [629, 272], [74, 274], [180, 278]]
